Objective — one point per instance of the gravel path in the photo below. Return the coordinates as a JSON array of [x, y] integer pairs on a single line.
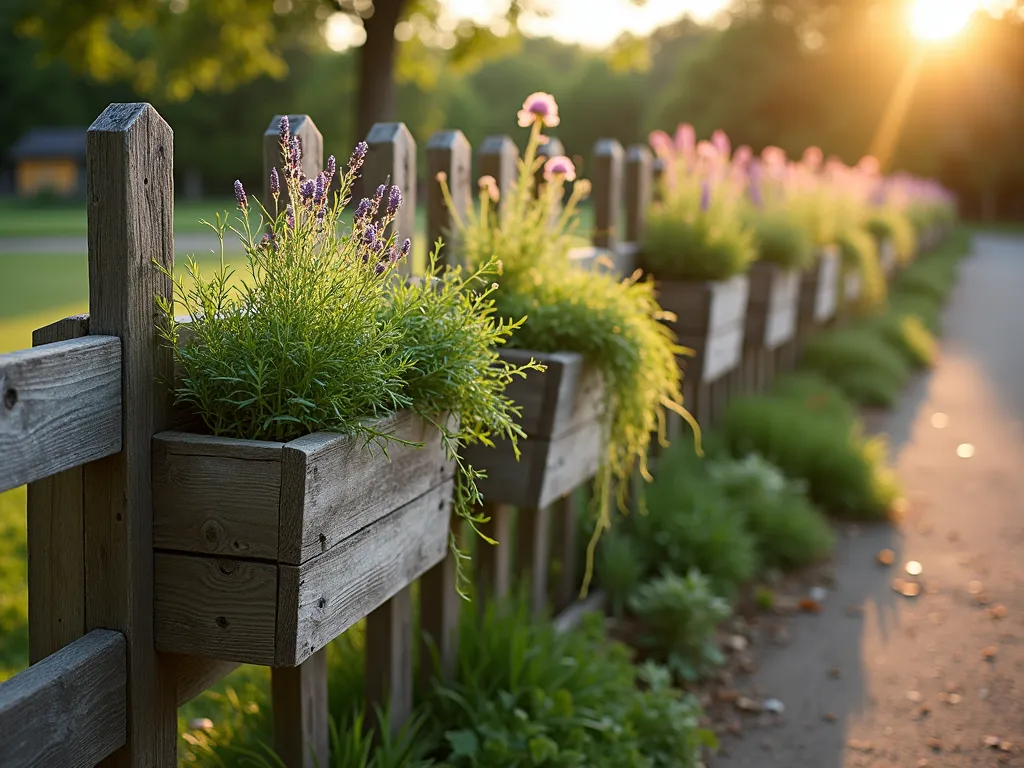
[[879, 679]]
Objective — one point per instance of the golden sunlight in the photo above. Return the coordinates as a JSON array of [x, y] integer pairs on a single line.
[[940, 19]]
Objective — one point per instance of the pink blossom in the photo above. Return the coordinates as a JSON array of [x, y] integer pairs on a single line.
[[812, 158], [686, 139], [773, 156], [540, 107], [489, 185], [722, 143], [559, 167], [661, 143], [743, 156], [869, 165]]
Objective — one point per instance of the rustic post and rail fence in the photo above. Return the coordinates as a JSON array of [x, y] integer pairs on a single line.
[[160, 560]]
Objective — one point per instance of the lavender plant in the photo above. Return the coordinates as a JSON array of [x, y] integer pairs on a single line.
[[615, 324], [321, 334]]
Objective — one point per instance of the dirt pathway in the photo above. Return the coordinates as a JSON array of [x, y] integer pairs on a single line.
[[879, 679]]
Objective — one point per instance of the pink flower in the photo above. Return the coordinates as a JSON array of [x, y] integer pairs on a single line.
[[561, 168], [773, 156], [743, 156], [489, 185], [813, 157], [661, 143], [868, 165], [722, 143], [686, 139], [540, 107]]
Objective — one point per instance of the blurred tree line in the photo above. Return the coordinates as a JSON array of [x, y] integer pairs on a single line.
[[786, 72]]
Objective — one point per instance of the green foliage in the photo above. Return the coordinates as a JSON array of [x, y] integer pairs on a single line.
[[680, 615], [860, 363], [889, 223], [810, 439], [322, 335], [782, 238], [691, 523], [615, 324], [907, 335], [619, 568], [682, 242], [859, 251], [526, 695], [789, 530]]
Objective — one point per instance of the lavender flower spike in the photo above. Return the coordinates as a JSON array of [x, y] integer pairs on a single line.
[[284, 128], [394, 200], [406, 247], [289, 215], [355, 160], [377, 198], [275, 183], [306, 190], [320, 189], [240, 196], [705, 196], [363, 209], [332, 168]]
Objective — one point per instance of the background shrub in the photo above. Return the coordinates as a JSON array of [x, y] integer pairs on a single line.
[[859, 362], [782, 239]]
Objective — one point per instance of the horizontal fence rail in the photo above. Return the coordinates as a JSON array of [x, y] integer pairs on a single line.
[[61, 407], [69, 710]]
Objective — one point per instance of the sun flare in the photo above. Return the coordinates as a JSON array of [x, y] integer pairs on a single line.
[[940, 19]]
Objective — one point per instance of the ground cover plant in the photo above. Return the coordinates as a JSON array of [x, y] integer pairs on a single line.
[[321, 334], [614, 323], [860, 362], [805, 432]]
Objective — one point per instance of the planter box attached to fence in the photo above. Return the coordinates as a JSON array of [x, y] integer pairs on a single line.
[[771, 306], [563, 418], [265, 552], [710, 319], [819, 289]]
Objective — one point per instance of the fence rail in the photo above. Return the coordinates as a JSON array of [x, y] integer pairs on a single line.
[[144, 544]]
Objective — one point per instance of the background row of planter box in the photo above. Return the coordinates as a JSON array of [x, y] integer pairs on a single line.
[[199, 553]]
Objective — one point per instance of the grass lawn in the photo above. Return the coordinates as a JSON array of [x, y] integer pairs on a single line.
[[21, 219]]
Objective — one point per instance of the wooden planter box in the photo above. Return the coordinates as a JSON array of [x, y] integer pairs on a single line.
[[710, 319], [265, 552], [819, 290], [771, 306], [564, 419]]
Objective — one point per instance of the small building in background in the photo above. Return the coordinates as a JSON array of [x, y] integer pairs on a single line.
[[50, 161]]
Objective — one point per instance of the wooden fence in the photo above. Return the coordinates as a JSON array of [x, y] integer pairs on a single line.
[[150, 577]]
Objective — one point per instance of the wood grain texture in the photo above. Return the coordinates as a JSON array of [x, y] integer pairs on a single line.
[[389, 649], [450, 153], [130, 212], [56, 539], [302, 731], [819, 288], [312, 143], [195, 674], [60, 406], [333, 485], [392, 159], [320, 599], [215, 607], [497, 157], [639, 189], [216, 495], [607, 180], [710, 319], [440, 606], [533, 555], [68, 710], [492, 563]]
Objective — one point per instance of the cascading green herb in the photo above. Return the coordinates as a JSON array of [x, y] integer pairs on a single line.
[[322, 334], [615, 324]]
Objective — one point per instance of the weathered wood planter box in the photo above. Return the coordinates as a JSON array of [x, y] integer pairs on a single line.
[[564, 419], [819, 290], [710, 319], [266, 551], [771, 306]]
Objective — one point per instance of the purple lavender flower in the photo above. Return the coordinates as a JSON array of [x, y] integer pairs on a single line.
[[295, 158], [332, 168], [275, 183], [377, 198], [285, 130], [379, 268], [406, 247], [705, 195], [320, 189], [394, 200], [355, 160], [307, 190], [289, 216], [363, 209], [754, 193], [240, 196], [370, 236]]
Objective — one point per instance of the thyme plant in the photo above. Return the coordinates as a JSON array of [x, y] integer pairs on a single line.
[[321, 334], [615, 324]]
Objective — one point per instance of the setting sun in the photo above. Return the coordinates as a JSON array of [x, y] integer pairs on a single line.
[[940, 19]]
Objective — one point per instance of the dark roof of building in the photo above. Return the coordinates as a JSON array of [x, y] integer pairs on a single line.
[[50, 142]]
